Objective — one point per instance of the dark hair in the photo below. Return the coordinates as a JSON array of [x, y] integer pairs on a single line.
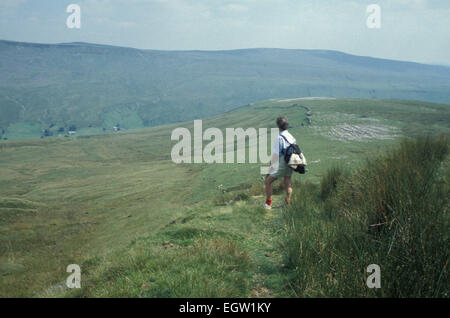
[[282, 123]]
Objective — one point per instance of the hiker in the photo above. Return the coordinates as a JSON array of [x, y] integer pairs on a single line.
[[278, 167]]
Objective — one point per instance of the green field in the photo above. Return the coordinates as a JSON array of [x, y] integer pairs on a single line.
[[141, 226]]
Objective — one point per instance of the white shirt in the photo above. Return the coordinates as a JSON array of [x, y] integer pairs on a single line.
[[280, 144]]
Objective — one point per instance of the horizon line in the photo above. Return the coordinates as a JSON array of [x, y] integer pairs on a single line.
[[80, 43]]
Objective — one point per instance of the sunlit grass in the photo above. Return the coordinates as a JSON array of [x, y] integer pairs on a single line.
[[87, 200]]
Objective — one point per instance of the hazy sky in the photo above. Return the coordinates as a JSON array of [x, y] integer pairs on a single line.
[[414, 30]]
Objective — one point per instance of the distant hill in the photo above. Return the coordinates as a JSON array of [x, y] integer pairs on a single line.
[[90, 87]]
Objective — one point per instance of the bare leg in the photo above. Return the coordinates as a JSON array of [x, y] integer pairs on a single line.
[[288, 188], [268, 184]]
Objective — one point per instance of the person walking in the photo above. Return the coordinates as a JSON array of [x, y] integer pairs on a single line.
[[278, 167]]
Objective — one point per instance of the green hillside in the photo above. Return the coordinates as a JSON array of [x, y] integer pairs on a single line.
[[47, 90], [140, 225]]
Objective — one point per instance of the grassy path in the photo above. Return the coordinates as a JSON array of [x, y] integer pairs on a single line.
[[212, 251]]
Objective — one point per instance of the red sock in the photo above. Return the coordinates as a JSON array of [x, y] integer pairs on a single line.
[[269, 201]]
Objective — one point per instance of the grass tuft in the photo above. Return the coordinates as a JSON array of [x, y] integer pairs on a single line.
[[392, 212]]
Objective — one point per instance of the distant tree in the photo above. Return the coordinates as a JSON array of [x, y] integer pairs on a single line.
[[72, 128], [47, 133], [61, 129]]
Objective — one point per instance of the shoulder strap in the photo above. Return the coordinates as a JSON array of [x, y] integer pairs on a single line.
[[285, 139], [290, 143]]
